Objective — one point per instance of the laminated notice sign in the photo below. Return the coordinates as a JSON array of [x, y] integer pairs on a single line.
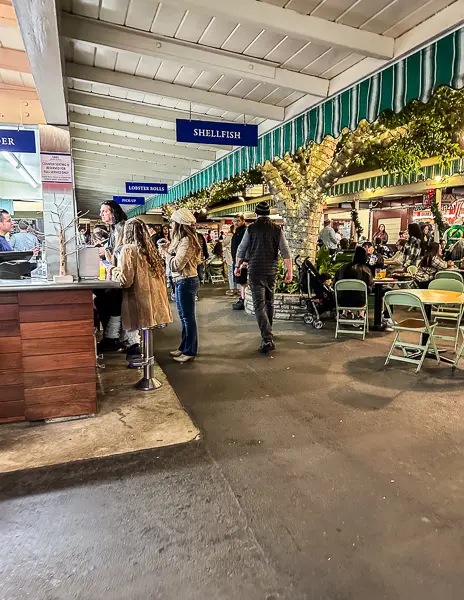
[[56, 167]]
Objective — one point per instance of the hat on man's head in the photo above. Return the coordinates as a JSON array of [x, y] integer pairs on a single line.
[[263, 209], [183, 216]]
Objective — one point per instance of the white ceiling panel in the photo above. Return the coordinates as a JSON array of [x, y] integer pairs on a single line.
[[105, 58], [187, 76], [192, 26], [224, 84], [83, 53], [114, 11], [10, 37], [216, 32], [331, 10], [263, 44], [326, 60], [141, 13], [422, 13], [126, 62], [86, 8], [167, 19], [240, 38], [342, 65], [168, 71], [147, 66]]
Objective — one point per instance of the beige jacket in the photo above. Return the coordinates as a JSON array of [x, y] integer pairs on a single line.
[[145, 300], [186, 259]]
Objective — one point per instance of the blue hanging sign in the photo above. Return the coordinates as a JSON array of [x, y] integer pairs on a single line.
[[133, 200], [12, 140], [216, 132], [149, 188]]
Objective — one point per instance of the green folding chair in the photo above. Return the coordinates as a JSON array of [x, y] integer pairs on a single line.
[[450, 275], [461, 349], [352, 285], [421, 326], [449, 313]]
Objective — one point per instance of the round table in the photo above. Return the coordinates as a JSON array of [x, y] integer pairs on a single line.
[[430, 297]]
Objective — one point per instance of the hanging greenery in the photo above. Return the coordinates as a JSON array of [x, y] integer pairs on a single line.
[[217, 192], [431, 129], [436, 212], [356, 222]]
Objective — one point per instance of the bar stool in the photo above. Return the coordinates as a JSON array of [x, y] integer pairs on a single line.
[[148, 381]]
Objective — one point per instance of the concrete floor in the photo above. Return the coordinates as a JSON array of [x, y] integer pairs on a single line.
[[321, 475], [128, 420]]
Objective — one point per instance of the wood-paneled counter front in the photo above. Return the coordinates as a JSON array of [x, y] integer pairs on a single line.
[[47, 353]]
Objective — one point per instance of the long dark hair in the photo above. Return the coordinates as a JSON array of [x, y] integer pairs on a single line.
[[432, 251], [116, 211], [360, 256], [136, 233], [414, 230]]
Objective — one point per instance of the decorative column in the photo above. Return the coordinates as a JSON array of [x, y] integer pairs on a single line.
[[58, 197]]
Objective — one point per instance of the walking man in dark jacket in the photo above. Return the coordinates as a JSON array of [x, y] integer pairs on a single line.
[[261, 245], [242, 276]]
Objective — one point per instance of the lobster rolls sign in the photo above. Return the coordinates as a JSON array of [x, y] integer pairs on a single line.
[[216, 132]]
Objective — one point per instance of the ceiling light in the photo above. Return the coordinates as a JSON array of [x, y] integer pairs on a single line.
[[438, 178], [16, 163], [11, 158]]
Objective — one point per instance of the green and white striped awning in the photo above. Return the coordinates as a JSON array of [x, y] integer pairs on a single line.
[[385, 180], [415, 77]]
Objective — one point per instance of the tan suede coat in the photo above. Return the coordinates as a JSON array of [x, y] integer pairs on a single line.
[[145, 300]]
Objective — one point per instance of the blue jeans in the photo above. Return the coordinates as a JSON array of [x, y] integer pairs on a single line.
[[186, 290]]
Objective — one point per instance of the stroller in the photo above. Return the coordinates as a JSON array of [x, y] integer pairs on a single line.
[[319, 297]]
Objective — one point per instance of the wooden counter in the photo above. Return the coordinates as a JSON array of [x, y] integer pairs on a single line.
[[47, 352]]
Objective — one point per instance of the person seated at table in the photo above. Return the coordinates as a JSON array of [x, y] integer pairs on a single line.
[[456, 253], [374, 260], [413, 248], [344, 255], [356, 269], [429, 266], [381, 248], [396, 261]]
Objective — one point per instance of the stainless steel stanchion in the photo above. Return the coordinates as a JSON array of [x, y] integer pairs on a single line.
[[148, 381]]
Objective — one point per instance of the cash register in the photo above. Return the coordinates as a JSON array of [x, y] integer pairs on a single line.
[[16, 265]]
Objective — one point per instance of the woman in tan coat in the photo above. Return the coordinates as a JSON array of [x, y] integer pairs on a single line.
[[183, 257], [141, 274]]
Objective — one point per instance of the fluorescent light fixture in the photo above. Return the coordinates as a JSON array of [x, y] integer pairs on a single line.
[[11, 158], [17, 164]]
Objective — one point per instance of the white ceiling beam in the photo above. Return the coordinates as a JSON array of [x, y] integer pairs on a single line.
[[294, 25], [126, 166], [113, 172], [157, 159], [38, 23], [136, 144], [127, 127], [202, 57], [137, 109], [172, 90]]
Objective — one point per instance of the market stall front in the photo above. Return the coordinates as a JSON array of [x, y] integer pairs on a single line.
[[47, 350]]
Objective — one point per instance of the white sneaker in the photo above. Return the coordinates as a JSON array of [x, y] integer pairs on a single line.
[[183, 358], [175, 353]]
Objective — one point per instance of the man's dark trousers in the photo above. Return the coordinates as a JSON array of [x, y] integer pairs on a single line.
[[262, 290]]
